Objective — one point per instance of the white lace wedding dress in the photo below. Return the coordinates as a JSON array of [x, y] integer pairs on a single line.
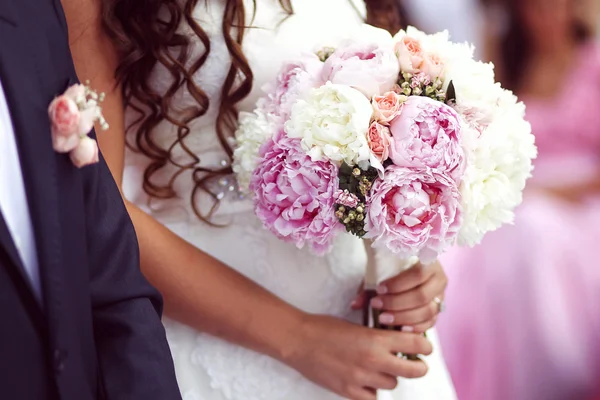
[[207, 367]]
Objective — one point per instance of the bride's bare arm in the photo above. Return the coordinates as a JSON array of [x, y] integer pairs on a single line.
[[198, 289], [202, 292]]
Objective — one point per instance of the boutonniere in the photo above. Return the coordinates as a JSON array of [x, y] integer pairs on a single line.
[[73, 115]]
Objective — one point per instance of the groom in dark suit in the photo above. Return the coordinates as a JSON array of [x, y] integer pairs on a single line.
[[78, 320]]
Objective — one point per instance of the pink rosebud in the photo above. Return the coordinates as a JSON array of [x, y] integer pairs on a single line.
[[387, 107], [410, 54], [432, 65], [379, 140], [413, 212], [85, 153], [428, 134], [345, 198], [65, 117]]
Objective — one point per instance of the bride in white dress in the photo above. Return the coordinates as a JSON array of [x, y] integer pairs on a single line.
[[234, 340]]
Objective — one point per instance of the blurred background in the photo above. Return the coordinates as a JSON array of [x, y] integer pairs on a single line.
[[523, 308]]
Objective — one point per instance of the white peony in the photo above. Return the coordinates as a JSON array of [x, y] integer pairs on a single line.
[[332, 123], [499, 163], [253, 131]]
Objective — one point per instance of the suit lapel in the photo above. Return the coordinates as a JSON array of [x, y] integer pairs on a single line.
[[11, 252], [28, 100]]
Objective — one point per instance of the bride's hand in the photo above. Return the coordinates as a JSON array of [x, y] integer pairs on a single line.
[[352, 360], [411, 299]]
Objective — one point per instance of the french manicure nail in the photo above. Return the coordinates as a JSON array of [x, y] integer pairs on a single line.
[[381, 289], [407, 328], [377, 303], [386, 318]]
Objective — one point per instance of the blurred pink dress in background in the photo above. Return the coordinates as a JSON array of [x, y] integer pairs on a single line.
[[523, 318]]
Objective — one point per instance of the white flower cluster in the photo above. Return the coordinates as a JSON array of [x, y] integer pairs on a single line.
[[497, 139], [254, 129]]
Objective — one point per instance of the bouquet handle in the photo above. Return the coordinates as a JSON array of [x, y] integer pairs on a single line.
[[381, 265], [371, 281]]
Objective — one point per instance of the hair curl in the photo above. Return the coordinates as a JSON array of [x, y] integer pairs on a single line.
[[145, 36]]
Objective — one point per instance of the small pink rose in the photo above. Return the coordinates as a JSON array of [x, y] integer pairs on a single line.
[[432, 66], [85, 153], [410, 54], [379, 139], [387, 107], [64, 116]]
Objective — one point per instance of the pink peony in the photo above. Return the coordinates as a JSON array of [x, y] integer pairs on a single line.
[[379, 139], [387, 107], [410, 54], [413, 212], [294, 196], [370, 68], [85, 153], [294, 80], [432, 66], [427, 134], [64, 117]]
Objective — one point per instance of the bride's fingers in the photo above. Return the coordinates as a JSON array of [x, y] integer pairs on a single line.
[[362, 394], [418, 297], [425, 326], [380, 381], [410, 278], [414, 317], [409, 369]]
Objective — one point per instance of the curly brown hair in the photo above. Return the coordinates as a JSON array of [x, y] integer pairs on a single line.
[[146, 35]]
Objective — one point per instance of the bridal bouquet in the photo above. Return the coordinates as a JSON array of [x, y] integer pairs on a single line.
[[407, 142]]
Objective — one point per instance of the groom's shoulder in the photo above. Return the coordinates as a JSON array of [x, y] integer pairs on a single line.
[[34, 35], [38, 24]]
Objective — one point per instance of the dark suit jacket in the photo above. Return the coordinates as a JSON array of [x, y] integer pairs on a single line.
[[98, 333]]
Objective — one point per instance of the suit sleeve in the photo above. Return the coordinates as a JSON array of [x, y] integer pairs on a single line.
[[134, 357]]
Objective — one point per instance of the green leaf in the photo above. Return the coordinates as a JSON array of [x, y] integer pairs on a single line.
[[451, 93]]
